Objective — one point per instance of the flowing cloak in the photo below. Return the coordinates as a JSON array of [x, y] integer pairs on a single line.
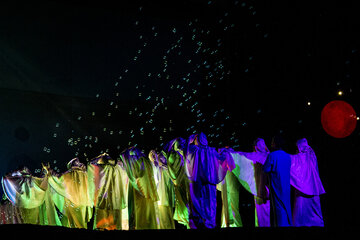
[[261, 196], [205, 168], [248, 172], [142, 193], [174, 155], [230, 215], [165, 190], [106, 192], [304, 177], [32, 196], [73, 187], [277, 165], [125, 181]]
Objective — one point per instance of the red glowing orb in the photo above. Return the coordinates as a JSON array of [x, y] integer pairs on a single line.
[[338, 118]]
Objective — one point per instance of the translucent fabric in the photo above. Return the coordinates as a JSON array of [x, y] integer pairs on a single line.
[[165, 190], [249, 173], [73, 187], [205, 169], [230, 215], [308, 187], [32, 196], [142, 192], [307, 210], [304, 170], [173, 153], [106, 191]]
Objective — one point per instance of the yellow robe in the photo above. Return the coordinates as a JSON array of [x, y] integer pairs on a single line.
[[176, 170], [165, 189], [32, 196], [142, 193], [230, 215], [106, 191], [77, 206]]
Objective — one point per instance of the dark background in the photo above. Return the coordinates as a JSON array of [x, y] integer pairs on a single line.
[[64, 67]]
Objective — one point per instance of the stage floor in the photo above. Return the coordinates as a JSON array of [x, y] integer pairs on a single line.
[[46, 232]]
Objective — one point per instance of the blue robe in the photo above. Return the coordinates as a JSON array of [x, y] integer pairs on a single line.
[[277, 165]]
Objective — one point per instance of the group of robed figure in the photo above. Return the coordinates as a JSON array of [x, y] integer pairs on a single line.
[[174, 187]]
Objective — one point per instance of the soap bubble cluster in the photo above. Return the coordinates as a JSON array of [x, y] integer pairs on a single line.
[[178, 73]]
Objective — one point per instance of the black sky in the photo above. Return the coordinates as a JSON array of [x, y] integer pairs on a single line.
[[55, 57]]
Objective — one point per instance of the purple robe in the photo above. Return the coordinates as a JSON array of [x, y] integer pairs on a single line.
[[205, 168], [308, 187]]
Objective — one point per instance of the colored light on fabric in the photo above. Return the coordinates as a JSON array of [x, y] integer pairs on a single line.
[[278, 165], [174, 154], [245, 172], [205, 168], [304, 177], [142, 192], [33, 197], [304, 172]]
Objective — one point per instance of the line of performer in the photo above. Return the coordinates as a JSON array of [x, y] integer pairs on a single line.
[[176, 186]]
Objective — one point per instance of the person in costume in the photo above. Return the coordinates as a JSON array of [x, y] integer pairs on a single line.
[[205, 168], [106, 192], [73, 187], [32, 196], [142, 192], [304, 177], [175, 160], [125, 182], [248, 174], [165, 189], [230, 190], [277, 165], [261, 196]]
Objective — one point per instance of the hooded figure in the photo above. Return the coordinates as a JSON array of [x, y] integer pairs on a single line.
[[249, 174], [205, 168], [142, 192], [73, 187], [32, 196], [165, 189], [106, 191], [174, 155], [305, 179]]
